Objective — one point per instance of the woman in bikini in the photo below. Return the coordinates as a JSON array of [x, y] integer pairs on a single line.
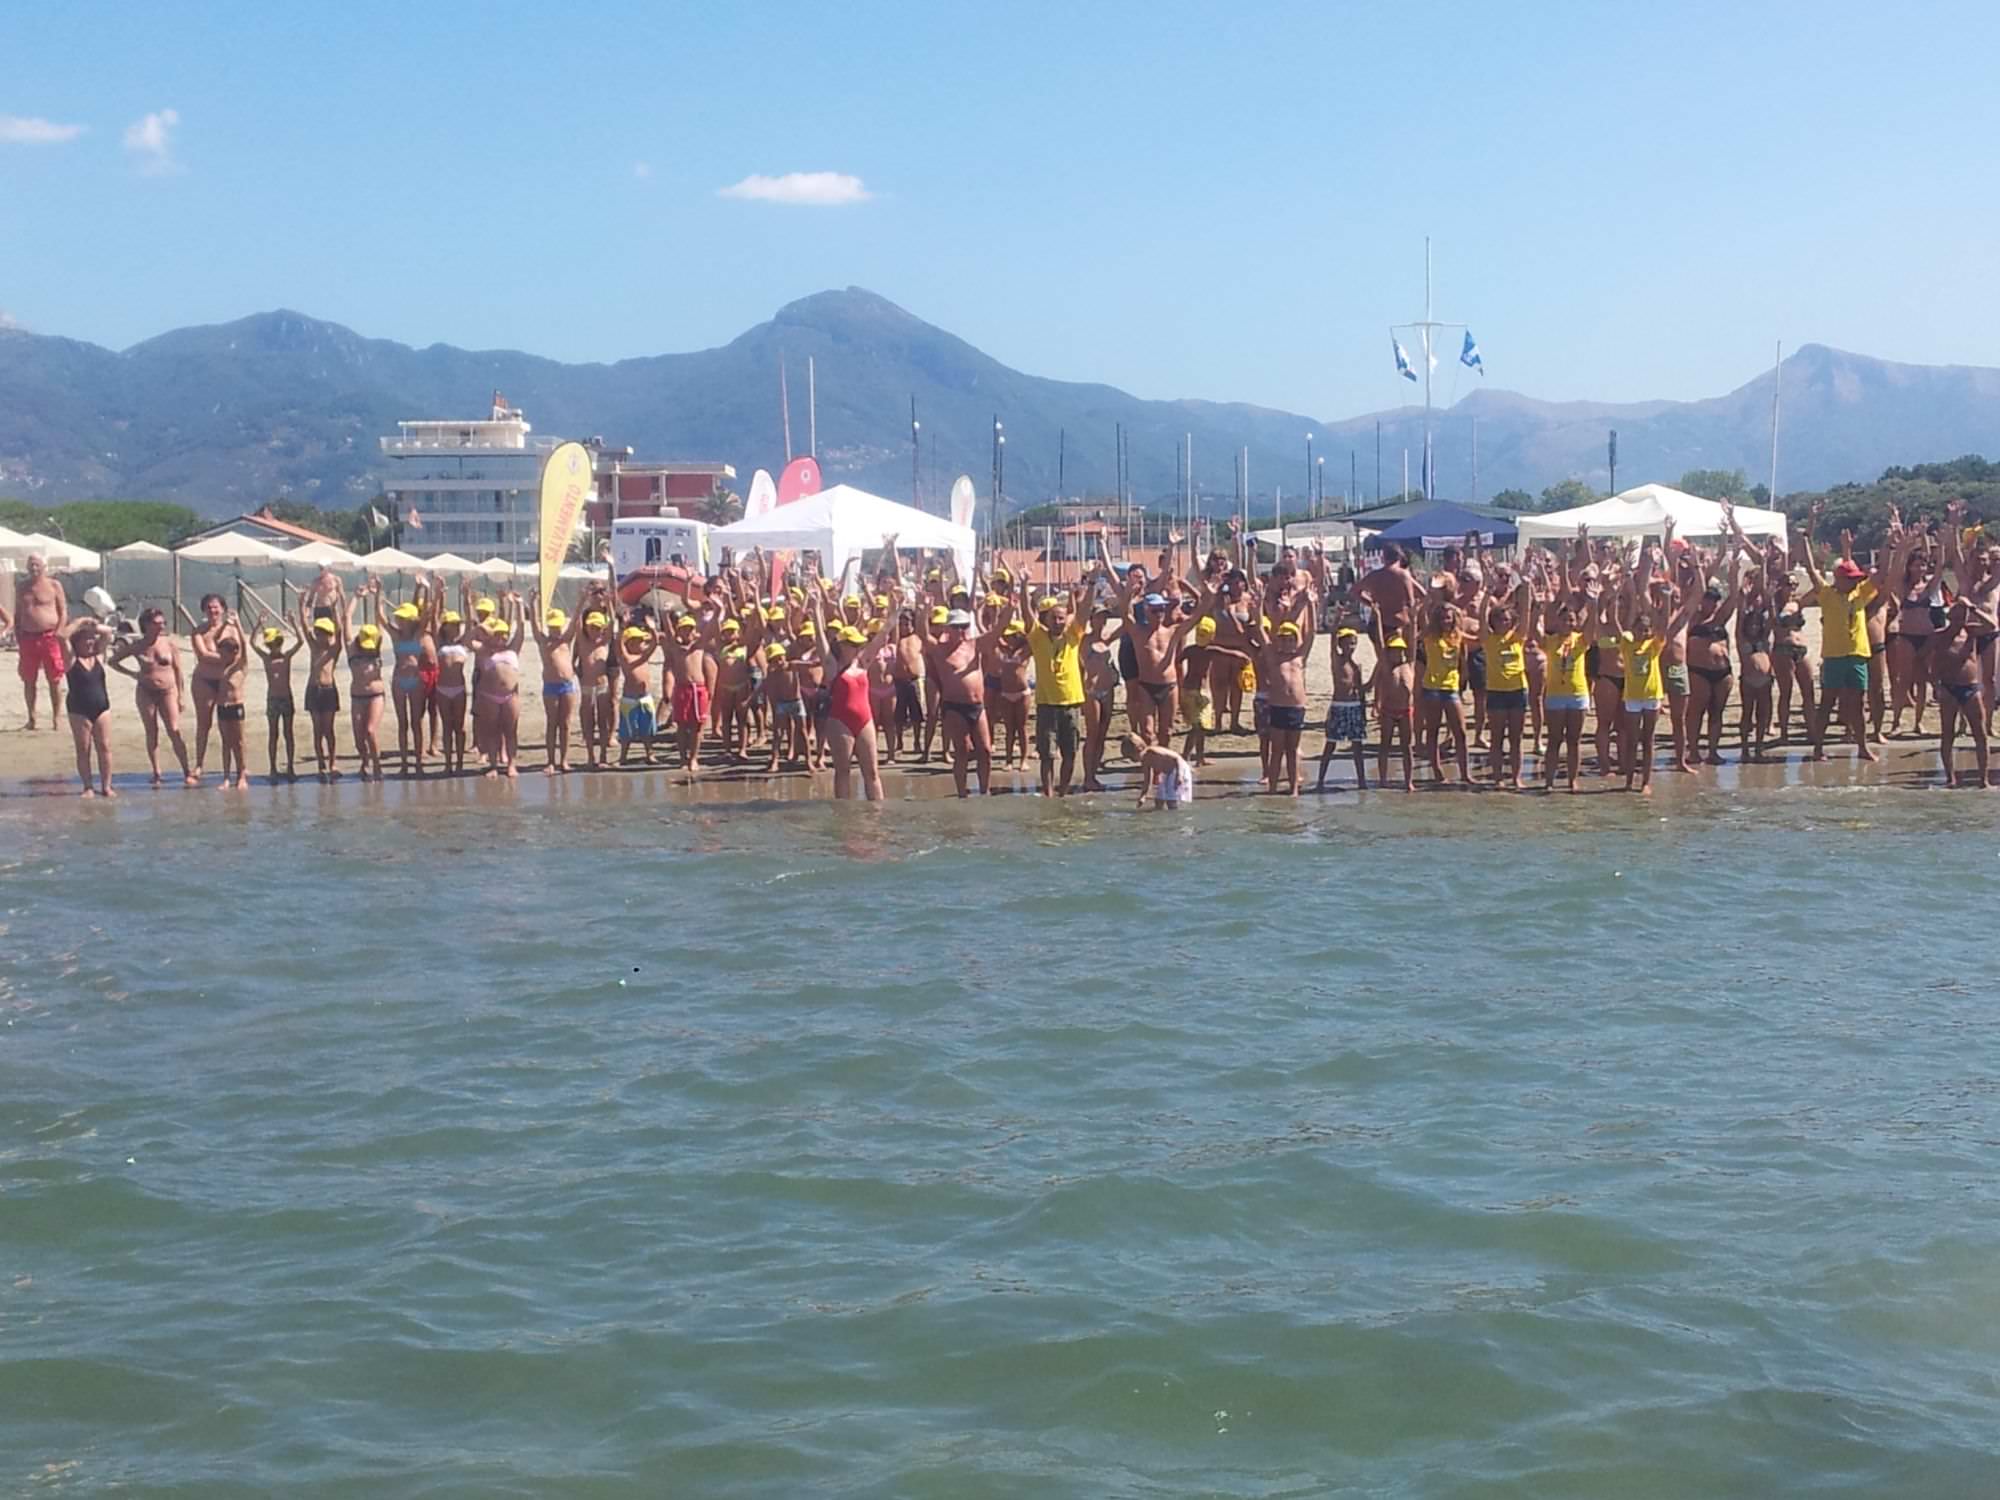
[[1961, 695], [155, 667], [89, 706], [555, 638], [850, 722], [449, 695], [1921, 609], [204, 639], [1708, 666], [416, 679], [365, 688], [497, 669], [324, 643]]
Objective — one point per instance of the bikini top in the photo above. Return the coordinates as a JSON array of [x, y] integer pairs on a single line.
[[508, 658], [451, 651], [1708, 631], [409, 648], [1793, 621]]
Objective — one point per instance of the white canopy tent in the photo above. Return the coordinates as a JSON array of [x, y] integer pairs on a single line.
[[1643, 511], [325, 553], [61, 556], [842, 523], [231, 546], [11, 538], [450, 562], [392, 560], [139, 552]]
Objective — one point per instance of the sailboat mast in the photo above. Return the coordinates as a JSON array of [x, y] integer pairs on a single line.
[[812, 411], [785, 406]]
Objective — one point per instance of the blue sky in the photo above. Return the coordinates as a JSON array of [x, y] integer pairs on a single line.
[[1225, 202]]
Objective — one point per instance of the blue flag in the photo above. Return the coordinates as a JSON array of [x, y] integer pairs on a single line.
[[1402, 359], [1469, 355]]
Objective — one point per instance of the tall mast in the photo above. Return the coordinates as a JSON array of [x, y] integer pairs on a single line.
[[1777, 380], [1427, 367], [785, 404], [812, 411]]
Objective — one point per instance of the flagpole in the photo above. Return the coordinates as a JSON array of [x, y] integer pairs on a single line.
[[1427, 369]]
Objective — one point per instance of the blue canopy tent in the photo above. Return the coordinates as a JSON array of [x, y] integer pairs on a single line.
[[1442, 525]]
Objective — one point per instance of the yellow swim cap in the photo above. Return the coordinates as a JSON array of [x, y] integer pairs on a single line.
[[854, 599], [774, 615], [1204, 631], [1347, 633], [994, 601], [732, 627], [405, 612], [453, 617], [875, 625], [1396, 643], [324, 625], [939, 615], [881, 601], [1047, 601], [806, 630], [1290, 627], [635, 633], [483, 606], [852, 636], [272, 634], [1017, 628], [367, 637], [555, 619], [496, 627], [596, 619], [776, 651]]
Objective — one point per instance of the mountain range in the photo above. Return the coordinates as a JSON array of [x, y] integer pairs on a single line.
[[281, 405]]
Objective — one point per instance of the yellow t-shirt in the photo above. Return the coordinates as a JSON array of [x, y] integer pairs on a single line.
[[1569, 665], [1441, 663], [1641, 660], [1506, 664], [1843, 617], [1058, 664]]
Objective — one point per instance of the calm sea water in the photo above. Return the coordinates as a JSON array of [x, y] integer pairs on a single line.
[[585, 1142]]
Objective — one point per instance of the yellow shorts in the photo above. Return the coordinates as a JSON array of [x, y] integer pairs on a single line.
[[1247, 678], [1195, 706]]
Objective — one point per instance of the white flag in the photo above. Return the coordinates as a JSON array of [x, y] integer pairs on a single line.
[[1403, 367], [381, 522]]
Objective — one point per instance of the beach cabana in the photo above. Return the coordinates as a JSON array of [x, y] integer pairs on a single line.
[[450, 562], [1442, 524], [231, 546], [393, 560], [844, 522], [324, 553], [1643, 511]]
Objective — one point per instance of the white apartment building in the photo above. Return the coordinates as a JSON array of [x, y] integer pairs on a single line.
[[473, 487]]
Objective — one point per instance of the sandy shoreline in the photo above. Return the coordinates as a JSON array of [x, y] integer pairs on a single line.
[[43, 763]]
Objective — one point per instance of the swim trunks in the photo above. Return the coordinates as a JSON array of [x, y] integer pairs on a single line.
[[41, 652], [1346, 721], [691, 703]]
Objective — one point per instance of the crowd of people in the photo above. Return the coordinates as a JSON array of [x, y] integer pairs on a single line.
[[1617, 644]]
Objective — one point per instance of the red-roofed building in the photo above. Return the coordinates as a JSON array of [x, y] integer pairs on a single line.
[[626, 489], [266, 527]]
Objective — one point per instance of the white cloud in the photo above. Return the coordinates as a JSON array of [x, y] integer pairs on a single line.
[[26, 130], [642, 170], [8, 320], [151, 141], [821, 189]]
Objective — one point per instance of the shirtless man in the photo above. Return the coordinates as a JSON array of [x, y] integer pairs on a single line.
[[276, 646], [1281, 676], [906, 671], [954, 653], [1157, 628], [156, 668], [41, 616], [1393, 593]]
